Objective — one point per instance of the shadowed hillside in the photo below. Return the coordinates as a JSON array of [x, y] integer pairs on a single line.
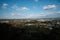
[[9, 32]]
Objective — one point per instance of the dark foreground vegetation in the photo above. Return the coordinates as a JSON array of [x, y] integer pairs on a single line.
[[8, 32]]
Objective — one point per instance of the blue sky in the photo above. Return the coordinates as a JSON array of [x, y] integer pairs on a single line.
[[23, 9]]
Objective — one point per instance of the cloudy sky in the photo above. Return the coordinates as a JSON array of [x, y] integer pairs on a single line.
[[23, 9]]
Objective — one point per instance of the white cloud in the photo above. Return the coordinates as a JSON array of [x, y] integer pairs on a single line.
[[31, 16], [14, 6], [53, 15], [15, 14], [49, 7], [4, 5], [59, 12], [20, 8], [36, 0], [24, 8], [42, 14]]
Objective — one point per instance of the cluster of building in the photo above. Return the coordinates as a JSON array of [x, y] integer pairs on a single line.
[[37, 23]]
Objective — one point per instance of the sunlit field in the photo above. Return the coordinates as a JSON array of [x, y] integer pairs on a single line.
[[41, 29]]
